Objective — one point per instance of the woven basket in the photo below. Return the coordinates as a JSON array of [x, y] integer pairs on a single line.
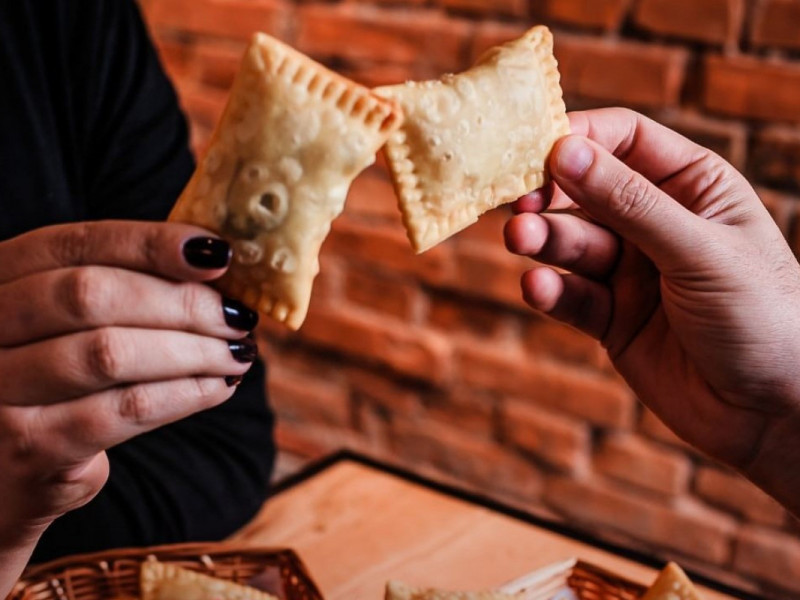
[[115, 573], [584, 580]]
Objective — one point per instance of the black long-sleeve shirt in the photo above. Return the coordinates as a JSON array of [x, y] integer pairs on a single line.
[[90, 129]]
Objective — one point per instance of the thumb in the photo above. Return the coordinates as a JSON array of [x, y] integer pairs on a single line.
[[625, 201]]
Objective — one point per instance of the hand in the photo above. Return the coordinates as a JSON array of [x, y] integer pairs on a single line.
[[108, 332], [676, 266]]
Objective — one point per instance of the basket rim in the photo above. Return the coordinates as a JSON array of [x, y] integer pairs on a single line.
[[162, 551]]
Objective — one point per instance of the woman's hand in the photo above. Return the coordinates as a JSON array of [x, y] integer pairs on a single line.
[[108, 332], [676, 266]]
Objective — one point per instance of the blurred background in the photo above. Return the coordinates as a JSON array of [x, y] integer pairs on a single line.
[[432, 361]]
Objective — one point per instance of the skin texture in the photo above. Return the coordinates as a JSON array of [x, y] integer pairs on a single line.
[[671, 260], [108, 333]]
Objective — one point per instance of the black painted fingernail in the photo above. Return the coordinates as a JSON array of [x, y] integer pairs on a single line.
[[244, 350], [232, 380], [207, 252], [238, 316]]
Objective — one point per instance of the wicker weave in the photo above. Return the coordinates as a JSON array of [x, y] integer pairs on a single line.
[[115, 574]]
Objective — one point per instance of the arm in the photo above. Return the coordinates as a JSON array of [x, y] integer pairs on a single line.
[[676, 266]]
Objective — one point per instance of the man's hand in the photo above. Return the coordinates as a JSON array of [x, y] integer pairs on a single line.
[[108, 332], [676, 266]]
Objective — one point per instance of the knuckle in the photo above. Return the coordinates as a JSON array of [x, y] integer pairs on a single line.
[[197, 302], [631, 197], [104, 358], [19, 438], [206, 392], [70, 246], [84, 293], [137, 406]]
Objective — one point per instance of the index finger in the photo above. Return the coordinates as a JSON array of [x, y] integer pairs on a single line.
[[173, 250], [645, 146]]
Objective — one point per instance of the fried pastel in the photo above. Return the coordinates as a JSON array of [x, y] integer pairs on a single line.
[[165, 581], [396, 590], [672, 584], [292, 138], [475, 140]]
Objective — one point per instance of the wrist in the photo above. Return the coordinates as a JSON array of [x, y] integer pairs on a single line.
[[774, 466]]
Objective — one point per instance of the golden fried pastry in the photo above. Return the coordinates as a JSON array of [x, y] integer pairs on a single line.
[[292, 138], [396, 590], [164, 581], [672, 584], [475, 140]]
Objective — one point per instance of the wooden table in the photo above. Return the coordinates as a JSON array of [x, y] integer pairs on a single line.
[[356, 524]]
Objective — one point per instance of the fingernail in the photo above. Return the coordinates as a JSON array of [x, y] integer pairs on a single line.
[[238, 316], [207, 252], [574, 158], [232, 380], [244, 350]]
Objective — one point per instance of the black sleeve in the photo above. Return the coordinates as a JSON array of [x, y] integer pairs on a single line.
[[137, 159], [205, 476]]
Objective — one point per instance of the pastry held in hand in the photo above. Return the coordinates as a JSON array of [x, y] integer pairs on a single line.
[[165, 581], [475, 140], [291, 140]]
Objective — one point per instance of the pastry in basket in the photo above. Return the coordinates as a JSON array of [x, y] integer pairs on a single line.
[[292, 138], [672, 584], [396, 590], [473, 141], [165, 581]]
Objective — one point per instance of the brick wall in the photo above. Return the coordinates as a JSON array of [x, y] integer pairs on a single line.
[[433, 361]]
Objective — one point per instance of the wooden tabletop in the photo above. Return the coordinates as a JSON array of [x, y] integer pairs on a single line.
[[355, 526]]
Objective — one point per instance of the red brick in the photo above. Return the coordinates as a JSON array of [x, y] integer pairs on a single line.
[[386, 246], [559, 441], [381, 293], [769, 555], [736, 494], [481, 8], [464, 408], [712, 21], [218, 62], [304, 400], [203, 105], [175, 56], [491, 273], [782, 208], [549, 338], [630, 73], [596, 14], [313, 441], [599, 400], [374, 74], [390, 397], [726, 138], [490, 34], [655, 429], [488, 229], [775, 23], [633, 460], [359, 32], [227, 18], [412, 351], [775, 157], [685, 527], [744, 86], [472, 458], [455, 315], [372, 196]]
